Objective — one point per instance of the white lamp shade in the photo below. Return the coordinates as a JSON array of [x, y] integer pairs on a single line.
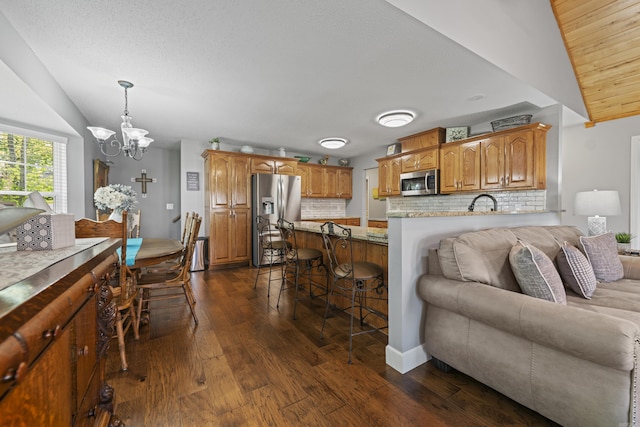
[[100, 133], [144, 142], [597, 203], [135, 133]]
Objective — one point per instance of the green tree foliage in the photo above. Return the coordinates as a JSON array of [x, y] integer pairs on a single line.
[[26, 164]]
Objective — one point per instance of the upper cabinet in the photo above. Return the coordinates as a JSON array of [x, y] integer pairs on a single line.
[[511, 159], [514, 160], [426, 139], [319, 181], [229, 179], [312, 178], [389, 176], [460, 167], [420, 160], [273, 165]]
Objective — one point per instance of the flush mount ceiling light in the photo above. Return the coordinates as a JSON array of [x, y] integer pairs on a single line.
[[394, 119], [134, 143], [332, 143]]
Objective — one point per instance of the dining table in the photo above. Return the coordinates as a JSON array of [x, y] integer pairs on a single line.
[[145, 251]]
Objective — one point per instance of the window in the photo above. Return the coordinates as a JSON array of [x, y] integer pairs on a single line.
[[32, 161]]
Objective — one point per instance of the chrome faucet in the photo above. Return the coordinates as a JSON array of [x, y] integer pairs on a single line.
[[473, 203]]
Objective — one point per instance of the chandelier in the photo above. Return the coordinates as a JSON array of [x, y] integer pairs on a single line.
[[134, 143]]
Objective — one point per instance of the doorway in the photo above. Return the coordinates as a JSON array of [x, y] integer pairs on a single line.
[[376, 208]]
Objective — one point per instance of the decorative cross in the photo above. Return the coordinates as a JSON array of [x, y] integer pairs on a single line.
[[144, 180]]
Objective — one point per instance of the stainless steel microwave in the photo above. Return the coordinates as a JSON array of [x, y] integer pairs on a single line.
[[420, 183]]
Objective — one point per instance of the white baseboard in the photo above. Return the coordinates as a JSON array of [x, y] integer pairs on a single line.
[[404, 362]]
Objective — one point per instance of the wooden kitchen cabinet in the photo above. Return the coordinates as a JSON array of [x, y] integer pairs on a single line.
[[227, 208], [230, 237], [389, 176], [426, 139], [312, 180], [276, 165], [337, 182], [460, 167], [319, 181], [420, 160], [229, 181], [514, 160]]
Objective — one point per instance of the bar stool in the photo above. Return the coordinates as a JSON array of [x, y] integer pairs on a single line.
[[361, 282], [297, 259], [271, 251]]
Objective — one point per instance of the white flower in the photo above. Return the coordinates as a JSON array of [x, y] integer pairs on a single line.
[[116, 196]]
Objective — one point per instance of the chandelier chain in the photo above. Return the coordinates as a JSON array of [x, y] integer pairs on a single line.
[[126, 102]]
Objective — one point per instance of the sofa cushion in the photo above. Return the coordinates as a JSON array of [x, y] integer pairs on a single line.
[[576, 271], [536, 274], [540, 238], [602, 253], [480, 256], [565, 233]]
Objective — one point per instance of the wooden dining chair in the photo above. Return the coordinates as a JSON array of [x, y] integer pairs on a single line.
[[124, 290], [174, 265], [171, 284]]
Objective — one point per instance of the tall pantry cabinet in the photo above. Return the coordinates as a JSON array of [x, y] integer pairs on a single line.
[[227, 215]]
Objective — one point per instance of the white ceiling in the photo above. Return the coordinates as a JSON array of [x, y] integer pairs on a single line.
[[265, 73]]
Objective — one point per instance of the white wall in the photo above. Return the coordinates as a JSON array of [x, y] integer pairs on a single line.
[[164, 165], [57, 110], [598, 158], [191, 160]]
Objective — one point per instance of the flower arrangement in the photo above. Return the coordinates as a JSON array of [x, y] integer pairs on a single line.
[[115, 196]]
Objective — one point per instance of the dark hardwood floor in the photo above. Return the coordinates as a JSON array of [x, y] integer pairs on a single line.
[[250, 364]]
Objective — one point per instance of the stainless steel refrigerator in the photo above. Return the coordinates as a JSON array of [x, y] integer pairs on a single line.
[[274, 196]]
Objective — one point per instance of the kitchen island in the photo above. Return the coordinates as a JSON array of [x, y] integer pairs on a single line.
[[369, 244]]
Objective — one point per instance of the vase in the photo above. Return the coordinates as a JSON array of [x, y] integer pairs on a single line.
[[623, 247], [116, 215], [215, 145]]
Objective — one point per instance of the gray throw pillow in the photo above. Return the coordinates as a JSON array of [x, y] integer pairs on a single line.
[[576, 271], [536, 274], [602, 253]]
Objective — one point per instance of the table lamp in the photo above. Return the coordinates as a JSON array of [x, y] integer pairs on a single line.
[[594, 204]]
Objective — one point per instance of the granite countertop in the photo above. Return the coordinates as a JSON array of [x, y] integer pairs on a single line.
[[424, 214], [370, 234]]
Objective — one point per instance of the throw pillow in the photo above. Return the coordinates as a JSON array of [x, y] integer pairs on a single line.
[[602, 253], [576, 271], [536, 274]]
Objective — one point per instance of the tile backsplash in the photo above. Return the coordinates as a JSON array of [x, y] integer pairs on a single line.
[[324, 208], [527, 200]]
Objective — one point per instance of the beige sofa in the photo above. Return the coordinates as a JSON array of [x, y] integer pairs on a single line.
[[576, 364]]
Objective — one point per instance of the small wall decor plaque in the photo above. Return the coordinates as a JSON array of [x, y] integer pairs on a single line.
[[193, 181], [457, 133]]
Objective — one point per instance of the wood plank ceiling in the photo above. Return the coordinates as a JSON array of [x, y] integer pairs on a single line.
[[602, 38]]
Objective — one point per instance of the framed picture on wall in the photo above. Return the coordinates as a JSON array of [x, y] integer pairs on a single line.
[[393, 149], [457, 133], [100, 174]]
